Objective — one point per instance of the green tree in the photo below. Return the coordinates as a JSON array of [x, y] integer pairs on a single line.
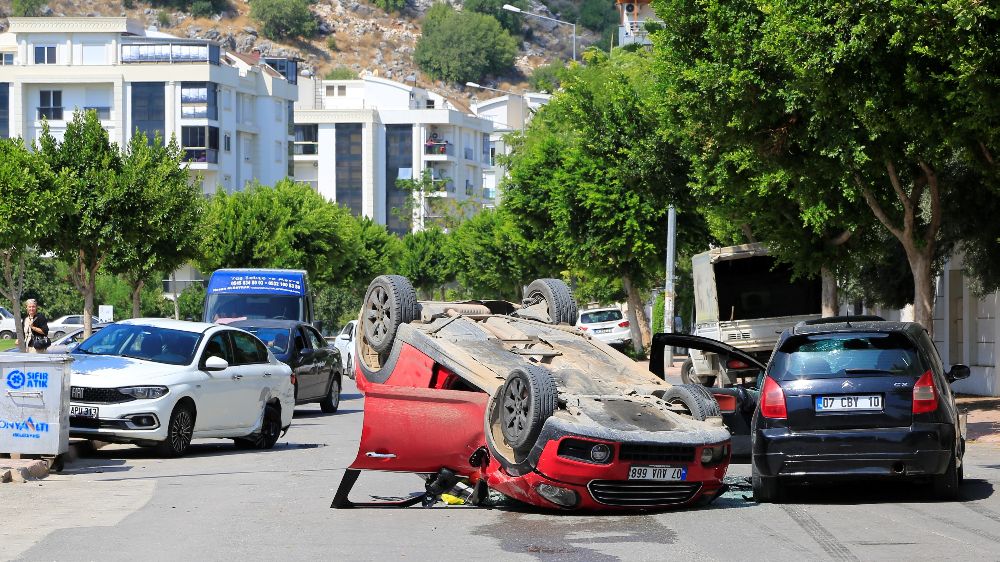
[[28, 8], [598, 15], [341, 73], [283, 19], [99, 217], [31, 201], [488, 258], [510, 21], [870, 104], [425, 260], [594, 177], [462, 46], [191, 302], [390, 5], [167, 214], [547, 78]]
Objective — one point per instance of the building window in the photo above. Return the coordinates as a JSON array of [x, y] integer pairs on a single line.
[[306, 139], [290, 112], [430, 104], [398, 156], [287, 68], [227, 143], [6, 59], [201, 144], [469, 187], [45, 55], [149, 109], [170, 52], [4, 111], [199, 100], [349, 166], [493, 154], [50, 105], [487, 156]]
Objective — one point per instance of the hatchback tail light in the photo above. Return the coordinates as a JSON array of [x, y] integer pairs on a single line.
[[925, 395], [623, 324], [772, 400]]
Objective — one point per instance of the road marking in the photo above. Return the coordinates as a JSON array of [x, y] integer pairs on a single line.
[[818, 533]]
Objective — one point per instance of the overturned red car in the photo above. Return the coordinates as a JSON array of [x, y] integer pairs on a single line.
[[513, 398]]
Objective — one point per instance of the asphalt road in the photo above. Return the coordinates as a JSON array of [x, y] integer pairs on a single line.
[[218, 503]]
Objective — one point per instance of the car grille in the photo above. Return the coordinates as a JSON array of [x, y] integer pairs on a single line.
[[642, 493], [98, 395], [655, 453]]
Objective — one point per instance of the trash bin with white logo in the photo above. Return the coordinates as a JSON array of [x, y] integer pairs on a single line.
[[34, 403]]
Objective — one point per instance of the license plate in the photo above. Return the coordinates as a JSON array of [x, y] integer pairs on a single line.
[[849, 403], [661, 473], [83, 411], [602, 331]]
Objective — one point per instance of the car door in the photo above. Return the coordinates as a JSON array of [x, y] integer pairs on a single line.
[[345, 343], [304, 366], [323, 358], [253, 373], [213, 397], [407, 429]]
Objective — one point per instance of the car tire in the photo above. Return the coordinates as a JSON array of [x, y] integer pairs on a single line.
[[180, 430], [558, 297], [350, 366], [389, 302], [945, 486], [766, 489], [6, 335], [687, 372], [331, 401], [58, 335], [527, 399], [699, 402], [267, 436]]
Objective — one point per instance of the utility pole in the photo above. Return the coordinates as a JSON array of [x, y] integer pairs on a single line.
[[668, 289]]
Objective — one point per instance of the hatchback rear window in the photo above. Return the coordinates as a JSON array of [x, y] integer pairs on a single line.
[[842, 355], [600, 316]]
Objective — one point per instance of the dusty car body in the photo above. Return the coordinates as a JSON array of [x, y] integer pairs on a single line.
[[439, 402]]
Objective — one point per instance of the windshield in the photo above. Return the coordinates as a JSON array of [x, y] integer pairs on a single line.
[[149, 343], [5, 313], [224, 309], [277, 339], [839, 355], [600, 316]]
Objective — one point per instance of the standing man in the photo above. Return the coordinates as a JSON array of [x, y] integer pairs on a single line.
[[36, 328]]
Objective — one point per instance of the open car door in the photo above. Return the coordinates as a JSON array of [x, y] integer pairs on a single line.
[[419, 430], [662, 340]]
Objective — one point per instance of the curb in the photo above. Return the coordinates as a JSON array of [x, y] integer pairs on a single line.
[[18, 470]]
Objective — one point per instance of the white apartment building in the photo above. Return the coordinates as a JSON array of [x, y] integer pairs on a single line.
[[355, 138], [231, 113], [509, 113]]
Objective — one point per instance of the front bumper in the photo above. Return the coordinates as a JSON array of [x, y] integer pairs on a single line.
[[920, 450], [120, 423]]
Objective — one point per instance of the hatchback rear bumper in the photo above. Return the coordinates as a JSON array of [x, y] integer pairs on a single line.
[[919, 450]]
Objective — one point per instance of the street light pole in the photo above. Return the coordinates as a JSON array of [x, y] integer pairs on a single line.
[[517, 10], [668, 289]]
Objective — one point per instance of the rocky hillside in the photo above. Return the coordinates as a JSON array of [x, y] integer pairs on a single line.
[[351, 34]]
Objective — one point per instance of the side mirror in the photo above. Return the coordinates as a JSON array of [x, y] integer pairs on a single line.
[[958, 372], [71, 346], [215, 363], [306, 352]]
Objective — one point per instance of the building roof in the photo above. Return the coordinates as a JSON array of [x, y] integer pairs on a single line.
[[75, 25]]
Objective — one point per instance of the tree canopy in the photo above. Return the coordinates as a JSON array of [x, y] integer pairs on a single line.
[[283, 19], [462, 46]]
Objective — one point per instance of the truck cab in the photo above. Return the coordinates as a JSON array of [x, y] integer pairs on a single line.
[[255, 294], [744, 298]]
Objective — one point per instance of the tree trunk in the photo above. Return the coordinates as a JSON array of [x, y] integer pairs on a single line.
[[173, 288], [830, 306], [89, 289], [637, 323], [14, 279], [137, 298], [923, 290]]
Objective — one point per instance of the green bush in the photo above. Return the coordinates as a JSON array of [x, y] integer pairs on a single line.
[[597, 15], [341, 73], [331, 43], [658, 313], [163, 19], [508, 20], [202, 9], [547, 78], [283, 19], [27, 8], [390, 5], [463, 46]]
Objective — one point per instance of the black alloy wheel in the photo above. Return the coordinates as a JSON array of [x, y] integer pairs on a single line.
[[180, 430], [527, 399], [389, 302]]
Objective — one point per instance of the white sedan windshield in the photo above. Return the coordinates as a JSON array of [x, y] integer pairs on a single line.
[[149, 343]]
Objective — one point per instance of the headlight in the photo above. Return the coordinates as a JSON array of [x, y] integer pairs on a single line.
[[714, 455], [144, 392], [559, 496]]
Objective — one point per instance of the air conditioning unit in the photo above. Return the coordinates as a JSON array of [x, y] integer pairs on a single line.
[[631, 8]]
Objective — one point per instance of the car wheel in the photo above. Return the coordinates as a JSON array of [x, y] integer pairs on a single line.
[[331, 402], [58, 335], [527, 399], [180, 430], [687, 372], [946, 485], [389, 302], [558, 297], [350, 366], [694, 399], [6, 335], [766, 489]]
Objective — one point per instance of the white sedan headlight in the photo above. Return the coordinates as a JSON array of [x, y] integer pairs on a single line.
[[144, 392]]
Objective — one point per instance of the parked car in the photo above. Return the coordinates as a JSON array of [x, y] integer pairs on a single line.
[[70, 340], [606, 324], [851, 399], [314, 363], [161, 383], [345, 343], [64, 324], [8, 324], [515, 398]]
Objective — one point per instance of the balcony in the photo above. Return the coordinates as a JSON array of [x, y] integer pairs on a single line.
[[202, 155], [170, 52], [305, 148], [439, 148]]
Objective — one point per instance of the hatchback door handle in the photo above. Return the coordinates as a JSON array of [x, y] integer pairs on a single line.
[[237, 377], [374, 455]]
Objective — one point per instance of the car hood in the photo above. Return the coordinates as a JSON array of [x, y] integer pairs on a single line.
[[107, 371]]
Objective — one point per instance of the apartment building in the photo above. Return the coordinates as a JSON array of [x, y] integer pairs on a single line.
[[231, 113], [355, 138], [509, 113]]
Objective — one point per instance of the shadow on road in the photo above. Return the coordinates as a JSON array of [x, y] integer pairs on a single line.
[[878, 492]]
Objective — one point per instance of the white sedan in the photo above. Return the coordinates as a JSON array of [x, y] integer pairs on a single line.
[[345, 343], [66, 324], [161, 383]]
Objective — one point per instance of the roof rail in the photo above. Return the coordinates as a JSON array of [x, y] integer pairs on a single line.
[[841, 320]]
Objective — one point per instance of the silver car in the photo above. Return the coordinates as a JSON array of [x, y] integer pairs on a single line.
[[607, 325]]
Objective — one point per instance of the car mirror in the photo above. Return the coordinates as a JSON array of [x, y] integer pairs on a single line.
[[215, 363], [958, 372], [306, 352], [71, 346]]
